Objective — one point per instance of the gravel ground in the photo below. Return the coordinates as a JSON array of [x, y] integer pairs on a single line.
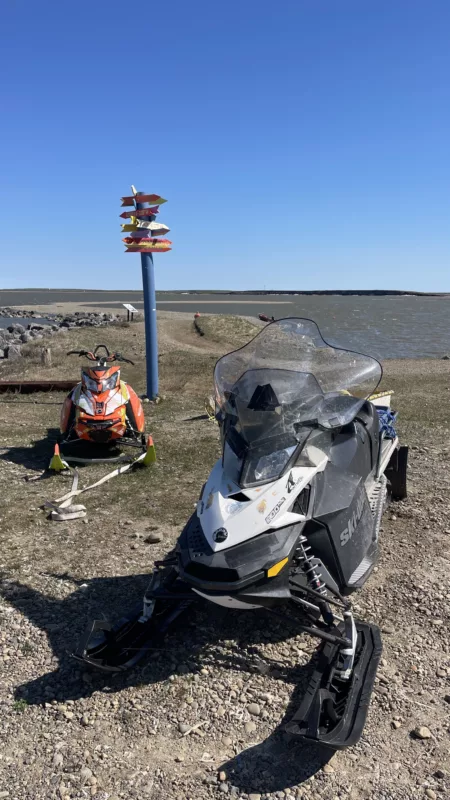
[[203, 716]]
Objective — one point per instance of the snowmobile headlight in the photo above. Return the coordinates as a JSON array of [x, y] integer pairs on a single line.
[[270, 466], [89, 383], [110, 383]]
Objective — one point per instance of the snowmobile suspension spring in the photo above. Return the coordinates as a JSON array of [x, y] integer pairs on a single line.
[[313, 576]]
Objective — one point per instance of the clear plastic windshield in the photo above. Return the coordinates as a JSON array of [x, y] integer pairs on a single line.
[[288, 379]]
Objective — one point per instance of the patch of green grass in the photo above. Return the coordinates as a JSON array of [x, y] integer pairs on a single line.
[[20, 705]]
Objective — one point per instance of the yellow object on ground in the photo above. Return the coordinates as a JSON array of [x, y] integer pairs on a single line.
[[381, 394], [150, 456], [57, 464]]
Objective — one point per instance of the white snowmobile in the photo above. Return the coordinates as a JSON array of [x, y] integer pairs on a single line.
[[289, 516]]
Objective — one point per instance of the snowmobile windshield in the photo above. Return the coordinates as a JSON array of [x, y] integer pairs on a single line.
[[283, 383]]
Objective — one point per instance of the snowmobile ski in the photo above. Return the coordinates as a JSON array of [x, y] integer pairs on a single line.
[[333, 711]]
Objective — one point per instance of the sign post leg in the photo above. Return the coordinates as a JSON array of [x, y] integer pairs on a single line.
[[151, 332]]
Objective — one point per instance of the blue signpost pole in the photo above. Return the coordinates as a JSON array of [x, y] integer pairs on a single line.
[[151, 331]]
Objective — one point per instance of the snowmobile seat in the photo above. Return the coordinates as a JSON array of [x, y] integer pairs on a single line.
[[367, 422], [368, 416]]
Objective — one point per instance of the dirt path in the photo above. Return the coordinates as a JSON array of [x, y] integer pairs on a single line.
[[203, 717]]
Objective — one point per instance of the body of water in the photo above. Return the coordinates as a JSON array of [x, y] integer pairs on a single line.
[[386, 327]]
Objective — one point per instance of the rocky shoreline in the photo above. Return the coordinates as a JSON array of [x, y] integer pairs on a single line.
[[16, 335]]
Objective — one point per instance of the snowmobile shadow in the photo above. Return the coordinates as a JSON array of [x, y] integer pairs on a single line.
[[213, 637], [279, 761], [37, 456], [64, 620]]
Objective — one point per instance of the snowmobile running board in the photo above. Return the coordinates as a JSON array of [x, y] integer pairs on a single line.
[[333, 711]]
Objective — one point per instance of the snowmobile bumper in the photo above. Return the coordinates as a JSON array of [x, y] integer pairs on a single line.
[[81, 451], [333, 711], [242, 571]]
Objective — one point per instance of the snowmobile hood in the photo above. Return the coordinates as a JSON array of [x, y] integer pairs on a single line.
[[229, 516], [111, 400]]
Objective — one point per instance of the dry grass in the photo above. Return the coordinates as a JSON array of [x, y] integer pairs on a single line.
[[229, 330], [187, 446]]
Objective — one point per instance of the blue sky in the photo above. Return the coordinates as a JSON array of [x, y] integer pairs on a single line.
[[301, 144]]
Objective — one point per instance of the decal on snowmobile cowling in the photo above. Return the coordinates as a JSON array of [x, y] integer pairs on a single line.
[[349, 530], [243, 519]]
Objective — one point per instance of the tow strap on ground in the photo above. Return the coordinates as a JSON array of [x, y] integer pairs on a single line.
[[62, 509]]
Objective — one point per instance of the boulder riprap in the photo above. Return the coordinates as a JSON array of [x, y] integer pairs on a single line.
[[15, 335], [13, 352]]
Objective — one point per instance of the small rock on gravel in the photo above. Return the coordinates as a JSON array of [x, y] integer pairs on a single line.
[[431, 794], [183, 727], [254, 709], [254, 797], [396, 724], [224, 788], [222, 776], [327, 769], [250, 727], [153, 538], [85, 774], [422, 732]]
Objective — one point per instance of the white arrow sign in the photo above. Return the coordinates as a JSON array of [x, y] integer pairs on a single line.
[[157, 228]]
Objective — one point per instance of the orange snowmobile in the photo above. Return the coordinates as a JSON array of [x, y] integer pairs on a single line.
[[101, 413]]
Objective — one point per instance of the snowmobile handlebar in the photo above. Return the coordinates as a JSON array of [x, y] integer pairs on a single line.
[[92, 356]]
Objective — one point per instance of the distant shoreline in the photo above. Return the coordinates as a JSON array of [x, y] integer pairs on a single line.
[[246, 292]]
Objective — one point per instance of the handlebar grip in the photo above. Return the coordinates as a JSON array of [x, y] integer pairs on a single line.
[[76, 353], [120, 357]]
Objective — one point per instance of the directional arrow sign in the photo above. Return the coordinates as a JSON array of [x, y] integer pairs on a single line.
[[143, 212], [139, 228], [151, 226], [147, 245], [143, 198]]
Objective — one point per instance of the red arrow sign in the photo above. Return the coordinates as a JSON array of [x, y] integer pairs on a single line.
[[147, 245], [143, 198], [143, 212]]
